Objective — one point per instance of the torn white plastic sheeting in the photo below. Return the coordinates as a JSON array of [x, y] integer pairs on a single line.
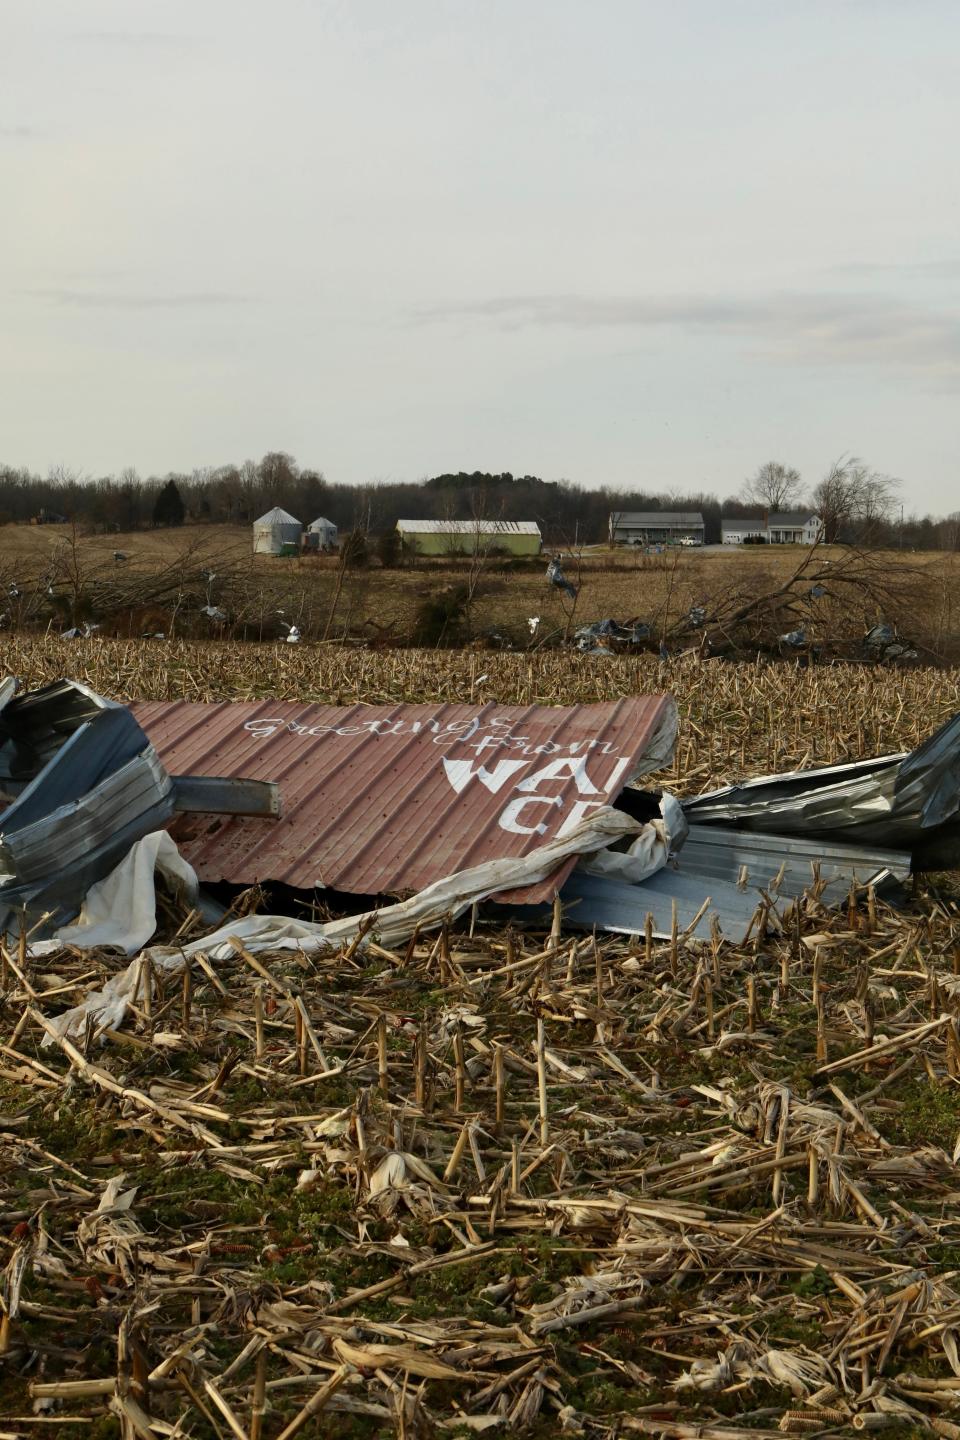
[[648, 853], [444, 899], [121, 909]]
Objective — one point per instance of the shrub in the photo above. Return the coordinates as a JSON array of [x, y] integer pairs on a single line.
[[355, 552], [440, 619], [389, 549]]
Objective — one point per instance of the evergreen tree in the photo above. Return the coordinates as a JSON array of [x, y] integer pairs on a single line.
[[168, 508]]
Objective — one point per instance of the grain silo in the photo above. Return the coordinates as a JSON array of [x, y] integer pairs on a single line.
[[321, 535], [276, 533]]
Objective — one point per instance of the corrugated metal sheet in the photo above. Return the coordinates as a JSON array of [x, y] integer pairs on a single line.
[[622, 908], [909, 801], [708, 866], [377, 799], [86, 783], [715, 853]]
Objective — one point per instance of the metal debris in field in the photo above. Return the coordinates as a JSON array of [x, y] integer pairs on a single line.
[[610, 637], [558, 580], [86, 783], [882, 643], [727, 881], [385, 798], [908, 802], [788, 866], [794, 639], [80, 783]]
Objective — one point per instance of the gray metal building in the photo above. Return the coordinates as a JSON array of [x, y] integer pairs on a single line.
[[654, 527]]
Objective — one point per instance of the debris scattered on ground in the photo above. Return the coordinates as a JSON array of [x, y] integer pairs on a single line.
[[558, 580], [883, 643], [609, 637], [314, 797], [911, 801]]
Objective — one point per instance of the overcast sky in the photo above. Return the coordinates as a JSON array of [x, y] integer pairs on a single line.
[[628, 242]]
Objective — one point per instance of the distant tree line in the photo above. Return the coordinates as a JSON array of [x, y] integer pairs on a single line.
[[856, 503]]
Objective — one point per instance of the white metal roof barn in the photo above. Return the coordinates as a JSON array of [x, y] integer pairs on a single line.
[[450, 537]]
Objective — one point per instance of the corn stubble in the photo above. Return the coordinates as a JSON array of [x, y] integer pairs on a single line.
[[517, 1182]]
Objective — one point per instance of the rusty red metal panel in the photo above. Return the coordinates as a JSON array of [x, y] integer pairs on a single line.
[[381, 799]]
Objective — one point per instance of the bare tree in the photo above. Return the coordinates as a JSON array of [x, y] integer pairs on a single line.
[[827, 601], [950, 531], [482, 539], [852, 495], [774, 487], [352, 555]]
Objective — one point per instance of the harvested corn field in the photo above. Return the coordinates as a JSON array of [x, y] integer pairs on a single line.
[[492, 1179], [736, 719]]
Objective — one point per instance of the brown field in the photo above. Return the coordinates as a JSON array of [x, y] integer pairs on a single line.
[[381, 606]]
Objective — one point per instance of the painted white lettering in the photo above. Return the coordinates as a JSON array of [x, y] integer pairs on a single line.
[[457, 732], [461, 772], [510, 819], [578, 809], [262, 729], [489, 742], [616, 772], [566, 767]]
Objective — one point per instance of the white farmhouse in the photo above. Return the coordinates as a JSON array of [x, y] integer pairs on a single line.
[[787, 527]]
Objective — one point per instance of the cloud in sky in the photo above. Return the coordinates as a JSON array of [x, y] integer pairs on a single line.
[[947, 268], [119, 300], [158, 39], [840, 329]]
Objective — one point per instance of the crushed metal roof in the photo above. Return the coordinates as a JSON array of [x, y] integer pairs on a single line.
[[84, 782], [469, 527], [379, 799], [910, 801]]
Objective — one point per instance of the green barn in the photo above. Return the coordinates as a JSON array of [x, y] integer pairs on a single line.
[[468, 537]]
